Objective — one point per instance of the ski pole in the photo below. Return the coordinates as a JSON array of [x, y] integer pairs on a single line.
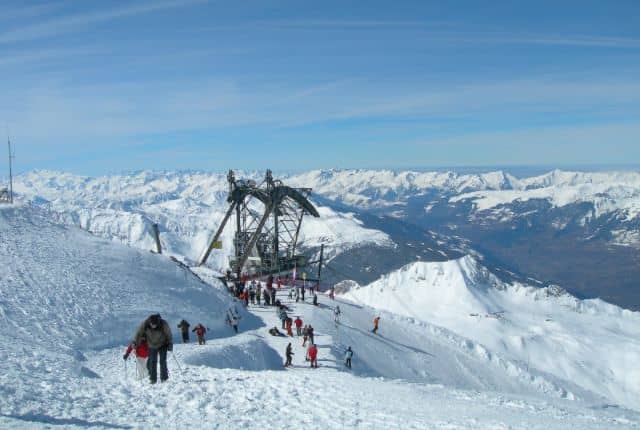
[[125, 369], [177, 362]]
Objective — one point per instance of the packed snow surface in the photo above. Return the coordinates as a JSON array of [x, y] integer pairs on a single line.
[[70, 303], [589, 342]]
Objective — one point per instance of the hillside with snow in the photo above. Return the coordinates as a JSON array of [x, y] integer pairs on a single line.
[[589, 342], [71, 301], [188, 207]]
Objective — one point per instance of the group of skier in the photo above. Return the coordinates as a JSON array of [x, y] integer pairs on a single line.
[[199, 330], [153, 338]]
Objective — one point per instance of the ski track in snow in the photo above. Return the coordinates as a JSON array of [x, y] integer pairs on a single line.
[[70, 302]]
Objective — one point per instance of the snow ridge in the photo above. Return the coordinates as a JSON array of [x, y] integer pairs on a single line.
[[594, 342]]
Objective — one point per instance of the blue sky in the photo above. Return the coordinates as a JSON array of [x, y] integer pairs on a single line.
[[105, 87]]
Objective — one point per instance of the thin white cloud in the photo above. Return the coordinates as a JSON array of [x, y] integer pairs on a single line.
[[25, 12], [82, 20], [337, 23], [22, 58], [485, 38], [54, 109]]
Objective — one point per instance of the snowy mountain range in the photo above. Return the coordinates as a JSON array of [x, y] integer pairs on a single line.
[[450, 351], [575, 229]]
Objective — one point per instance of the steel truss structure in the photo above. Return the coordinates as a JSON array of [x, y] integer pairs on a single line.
[[268, 220]]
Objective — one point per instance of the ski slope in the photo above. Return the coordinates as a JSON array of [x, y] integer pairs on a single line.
[[590, 342], [70, 302]]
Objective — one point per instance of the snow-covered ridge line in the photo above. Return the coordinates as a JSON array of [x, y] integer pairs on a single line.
[[519, 322], [187, 206], [608, 191]]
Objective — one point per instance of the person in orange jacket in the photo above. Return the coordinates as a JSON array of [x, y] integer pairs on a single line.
[[375, 324], [313, 355], [200, 331], [288, 324], [142, 353]]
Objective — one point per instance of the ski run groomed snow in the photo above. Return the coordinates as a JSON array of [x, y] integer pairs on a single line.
[[442, 359]]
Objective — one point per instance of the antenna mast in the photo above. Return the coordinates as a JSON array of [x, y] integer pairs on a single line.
[[10, 171]]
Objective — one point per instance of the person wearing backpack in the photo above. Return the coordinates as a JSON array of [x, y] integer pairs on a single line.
[[184, 328], [200, 330], [157, 334], [347, 357]]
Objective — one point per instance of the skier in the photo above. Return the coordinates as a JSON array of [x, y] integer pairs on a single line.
[[142, 354], [375, 324], [289, 355], [288, 324], [258, 294], [233, 318], [200, 331], [315, 299], [298, 323], [305, 334], [336, 315], [252, 292], [347, 357], [313, 355], [267, 297], [157, 334], [184, 328], [283, 317], [332, 293], [310, 334], [275, 332]]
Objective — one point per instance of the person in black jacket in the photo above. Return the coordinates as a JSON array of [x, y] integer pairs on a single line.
[[184, 328], [289, 355]]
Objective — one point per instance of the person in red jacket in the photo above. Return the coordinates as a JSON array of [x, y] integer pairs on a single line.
[[142, 353], [200, 331], [313, 355], [298, 323], [376, 320]]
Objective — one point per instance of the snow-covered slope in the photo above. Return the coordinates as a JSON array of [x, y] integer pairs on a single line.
[[187, 206], [64, 291], [71, 301], [591, 343]]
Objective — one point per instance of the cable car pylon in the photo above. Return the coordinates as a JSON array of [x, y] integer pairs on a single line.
[[268, 220]]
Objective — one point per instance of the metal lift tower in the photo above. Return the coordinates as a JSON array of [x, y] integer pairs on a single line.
[[268, 219]]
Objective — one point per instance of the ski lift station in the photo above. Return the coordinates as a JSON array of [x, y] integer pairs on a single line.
[[268, 217]]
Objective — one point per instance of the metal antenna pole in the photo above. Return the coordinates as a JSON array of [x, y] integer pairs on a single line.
[[10, 171]]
